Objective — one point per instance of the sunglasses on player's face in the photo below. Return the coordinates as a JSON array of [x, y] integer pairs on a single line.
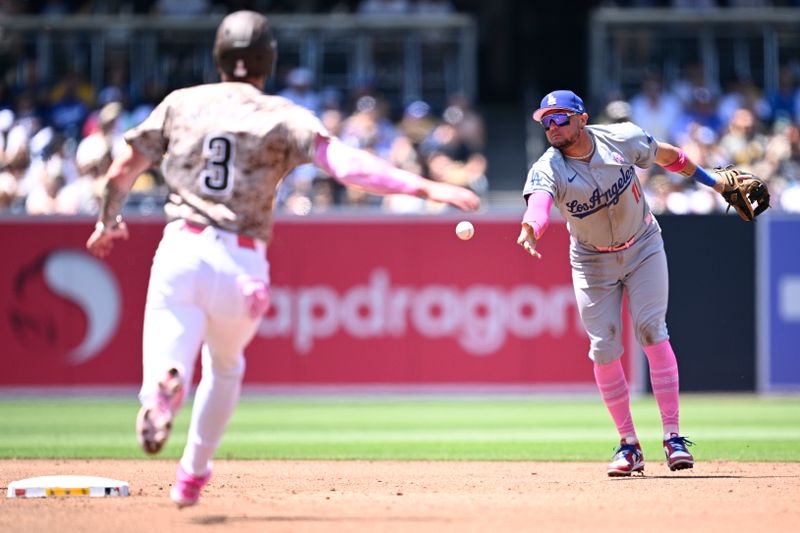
[[559, 119]]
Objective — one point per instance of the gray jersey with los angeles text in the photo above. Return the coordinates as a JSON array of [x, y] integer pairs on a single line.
[[601, 200], [225, 148]]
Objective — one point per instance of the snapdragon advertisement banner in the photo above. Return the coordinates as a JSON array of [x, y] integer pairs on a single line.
[[394, 300]]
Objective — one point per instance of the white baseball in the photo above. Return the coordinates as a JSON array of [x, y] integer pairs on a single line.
[[465, 230]]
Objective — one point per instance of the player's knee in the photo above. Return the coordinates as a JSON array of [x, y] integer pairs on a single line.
[[604, 357], [651, 332], [606, 348], [231, 368]]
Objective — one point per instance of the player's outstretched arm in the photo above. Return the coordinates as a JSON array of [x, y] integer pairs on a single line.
[[674, 159], [121, 176], [535, 221], [352, 166]]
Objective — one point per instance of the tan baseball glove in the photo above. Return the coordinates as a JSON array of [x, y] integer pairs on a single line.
[[744, 192]]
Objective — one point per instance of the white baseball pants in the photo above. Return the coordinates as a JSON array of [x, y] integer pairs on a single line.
[[194, 301]]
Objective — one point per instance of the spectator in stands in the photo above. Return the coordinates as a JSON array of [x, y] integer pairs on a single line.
[[781, 163], [29, 117], [451, 160], [50, 179], [470, 125], [783, 160], [614, 112], [82, 196], [369, 126], [702, 112], [790, 162], [742, 144], [405, 155], [417, 122], [692, 78], [6, 121], [145, 101], [299, 89], [782, 100], [743, 92], [332, 119], [69, 110], [74, 86], [14, 162], [655, 110], [701, 144], [324, 194], [8, 190]]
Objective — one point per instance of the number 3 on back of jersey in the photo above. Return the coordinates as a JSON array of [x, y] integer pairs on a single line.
[[218, 150]]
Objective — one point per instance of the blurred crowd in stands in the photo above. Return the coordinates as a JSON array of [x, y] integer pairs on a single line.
[[757, 131], [206, 7], [57, 140], [56, 144]]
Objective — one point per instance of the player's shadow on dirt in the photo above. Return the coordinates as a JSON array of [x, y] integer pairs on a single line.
[[707, 476], [213, 520]]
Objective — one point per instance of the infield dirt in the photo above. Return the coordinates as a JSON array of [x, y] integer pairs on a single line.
[[357, 496]]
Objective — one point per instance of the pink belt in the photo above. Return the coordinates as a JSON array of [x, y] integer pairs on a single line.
[[242, 240], [627, 244]]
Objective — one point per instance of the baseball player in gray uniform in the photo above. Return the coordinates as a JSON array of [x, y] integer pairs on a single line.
[[589, 173], [224, 148]]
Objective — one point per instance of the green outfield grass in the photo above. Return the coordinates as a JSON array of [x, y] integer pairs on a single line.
[[741, 428]]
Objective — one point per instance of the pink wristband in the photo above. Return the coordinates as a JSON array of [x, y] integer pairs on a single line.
[[678, 164]]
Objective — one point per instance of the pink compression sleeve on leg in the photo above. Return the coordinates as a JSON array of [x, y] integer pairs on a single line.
[[537, 215], [664, 379], [357, 167], [613, 387]]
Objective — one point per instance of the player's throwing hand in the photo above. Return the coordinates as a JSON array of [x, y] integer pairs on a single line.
[[527, 240]]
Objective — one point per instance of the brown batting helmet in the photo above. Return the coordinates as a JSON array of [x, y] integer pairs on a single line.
[[244, 46]]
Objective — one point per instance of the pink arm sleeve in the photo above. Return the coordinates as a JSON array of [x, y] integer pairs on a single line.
[[357, 167], [537, 215]]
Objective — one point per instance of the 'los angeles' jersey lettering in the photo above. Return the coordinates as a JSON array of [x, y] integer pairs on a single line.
[[602, 199]]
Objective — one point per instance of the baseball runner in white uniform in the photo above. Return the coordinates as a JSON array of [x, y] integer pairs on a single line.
[[615, 245], [224, 149]]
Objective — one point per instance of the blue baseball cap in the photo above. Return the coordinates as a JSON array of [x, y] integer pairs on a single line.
[[562, 99]]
